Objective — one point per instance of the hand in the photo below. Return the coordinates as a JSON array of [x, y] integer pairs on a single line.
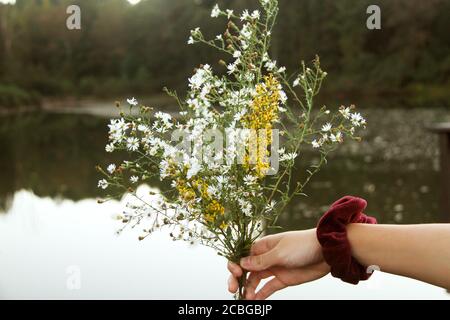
[[291, 257]]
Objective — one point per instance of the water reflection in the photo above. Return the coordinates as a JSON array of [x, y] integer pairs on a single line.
[[48, 243], [52, 224], [395, 168]]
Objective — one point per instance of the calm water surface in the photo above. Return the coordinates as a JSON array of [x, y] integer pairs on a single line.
[[52, 229]]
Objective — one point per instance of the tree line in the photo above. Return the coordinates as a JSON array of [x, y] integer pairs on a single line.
[[138, 49]]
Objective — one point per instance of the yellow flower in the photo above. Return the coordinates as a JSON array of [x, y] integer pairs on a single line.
[[213, 210], [263, 113], [214, 207], [223, 225]]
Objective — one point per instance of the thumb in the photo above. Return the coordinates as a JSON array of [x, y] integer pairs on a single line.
[[260, 262]]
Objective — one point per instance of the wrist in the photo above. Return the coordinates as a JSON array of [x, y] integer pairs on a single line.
[[333, 237], [317, 248]]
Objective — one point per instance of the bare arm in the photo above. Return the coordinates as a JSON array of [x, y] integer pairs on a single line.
[[421, 251]]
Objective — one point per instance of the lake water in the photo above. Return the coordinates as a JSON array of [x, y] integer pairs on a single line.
[[57, 242]]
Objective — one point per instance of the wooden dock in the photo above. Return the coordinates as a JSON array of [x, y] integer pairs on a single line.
[[443, 130]]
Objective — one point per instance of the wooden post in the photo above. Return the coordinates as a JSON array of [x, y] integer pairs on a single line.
[[443, 130]]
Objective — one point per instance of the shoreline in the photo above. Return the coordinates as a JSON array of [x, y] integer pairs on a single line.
[[106, 107], [101, 107]]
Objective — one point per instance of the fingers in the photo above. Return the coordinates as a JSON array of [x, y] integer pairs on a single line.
[[233, 284], [236, 273], [260, 262], [264, 244], [269, 288], [234, 269], [283, 278], [253, 281]]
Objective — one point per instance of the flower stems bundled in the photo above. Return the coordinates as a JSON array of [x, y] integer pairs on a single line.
[[222, 190]]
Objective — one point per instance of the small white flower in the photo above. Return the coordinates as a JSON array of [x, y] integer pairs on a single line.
[[164, 116], [249, 179], [221, 180], [191, 40], [245, 15], [132, 144], [134, 179], [132, 101], [270, 206], [103, 184], [109, 147], [219, 37], [357, 120], [345, 112], [194, 168], [212, 190], [288, 156], [326, 127], [229, 13], [246, 207], [283, 97], [237, 54], [215, 11], [316, 144], [336, 137], [256, 15], [296, 82], [195, 31], [246, 32], [271, 65], [111, 168], [233, 66], [142, 127], [282, 69]]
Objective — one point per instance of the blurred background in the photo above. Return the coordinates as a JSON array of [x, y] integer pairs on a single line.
[[58, 88]]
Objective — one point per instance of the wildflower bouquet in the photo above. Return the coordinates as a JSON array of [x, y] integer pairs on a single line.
[[227, 156]]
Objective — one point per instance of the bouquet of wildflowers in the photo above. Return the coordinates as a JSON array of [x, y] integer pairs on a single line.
[[227, 156]]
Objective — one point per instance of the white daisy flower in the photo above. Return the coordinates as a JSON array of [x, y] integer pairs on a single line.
[[288, 156], [109, 147], [326, 127], [103, 184], [134, 179], [132, 101], [245, 15], [111, 168], [316, 144], [132, 144], [215, 11], [256, 15], [249, 179], [345, 112]]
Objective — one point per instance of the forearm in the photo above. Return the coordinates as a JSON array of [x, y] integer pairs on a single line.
[[421, 252]]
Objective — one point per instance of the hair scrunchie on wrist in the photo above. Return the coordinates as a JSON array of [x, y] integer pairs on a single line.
[[332, 235]]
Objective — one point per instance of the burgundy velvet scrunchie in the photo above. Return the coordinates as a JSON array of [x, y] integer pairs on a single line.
[[332, 235]]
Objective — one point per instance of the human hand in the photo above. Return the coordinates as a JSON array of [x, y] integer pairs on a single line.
[[292, 258]]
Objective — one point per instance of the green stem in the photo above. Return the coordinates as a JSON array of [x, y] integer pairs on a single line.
[[242, 281]]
